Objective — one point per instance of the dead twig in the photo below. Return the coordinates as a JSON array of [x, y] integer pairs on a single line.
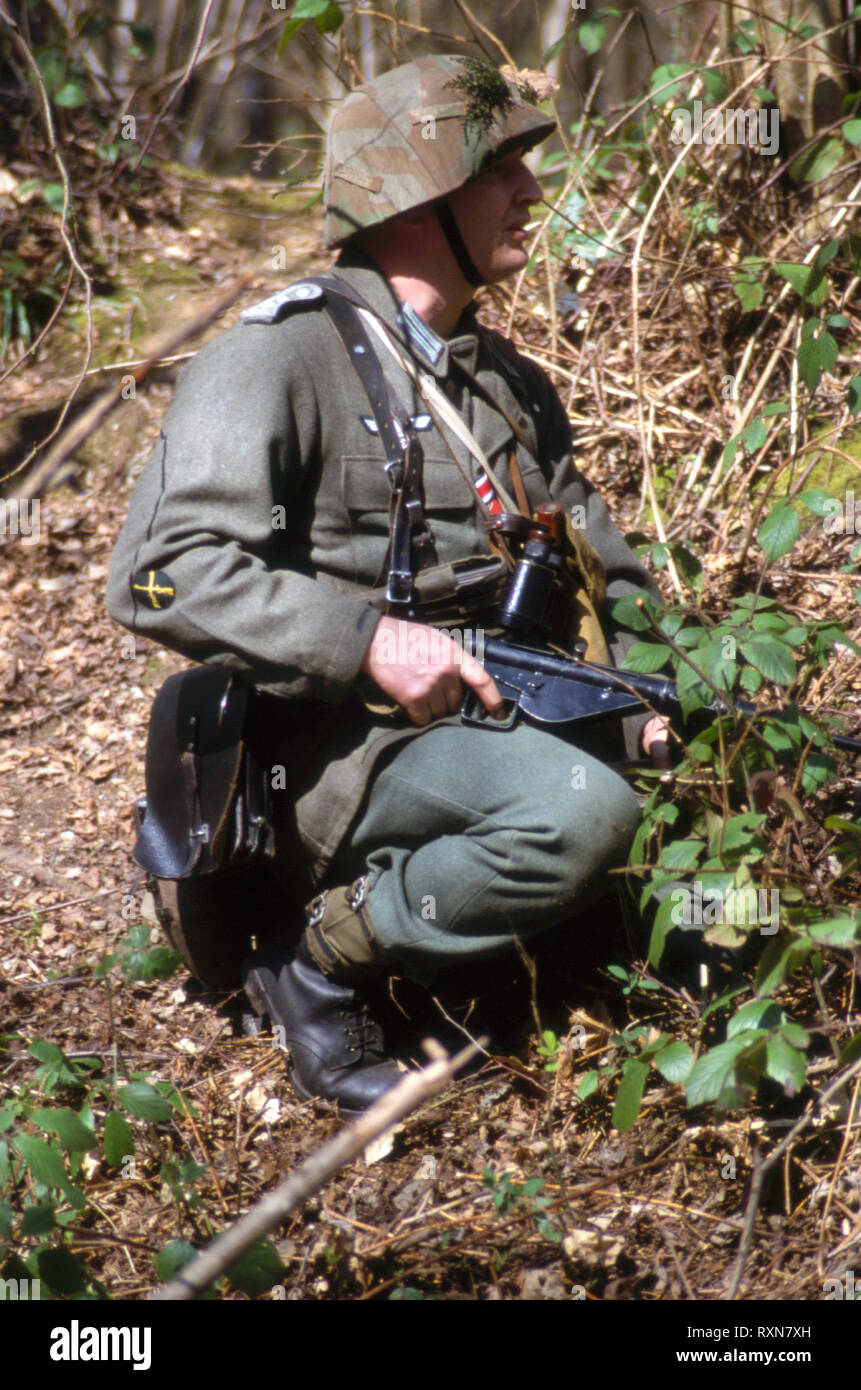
[[762, 1167], [314, 1173]]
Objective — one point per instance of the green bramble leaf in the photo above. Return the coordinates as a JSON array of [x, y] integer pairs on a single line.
[[842, 932], [750, 292], [675, 1061], [71, 1132], [330, 20], [118, 1139], [664, 75], [809, 365], [729, 453], [819, 161], [796, 275], [826, 254], [71, 95], [590, 35], [61, 1271], [55, 1070], [290, 28], [43, 1160], [629, 613], [755, 436], [38, 1220], [714, 82], [817, 500], [736, 833], [143, 1100], [682, 854], [780, 530], [718, 1074], [779, 960], [629, 1094], [806, 280], [785, 1065], [588, 1085], [259, 1269], [172, 1258], [646, 657], [774, 660], [758, 1013]]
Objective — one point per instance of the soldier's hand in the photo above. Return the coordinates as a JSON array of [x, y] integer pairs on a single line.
[[424, 671], [655, 742]]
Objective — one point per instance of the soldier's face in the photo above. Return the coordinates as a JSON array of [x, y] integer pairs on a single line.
[[492, 212]]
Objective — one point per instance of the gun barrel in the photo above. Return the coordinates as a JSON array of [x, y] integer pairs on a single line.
[[659, 691]]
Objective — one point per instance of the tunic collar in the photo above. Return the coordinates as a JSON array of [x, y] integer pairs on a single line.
[[432, 351]]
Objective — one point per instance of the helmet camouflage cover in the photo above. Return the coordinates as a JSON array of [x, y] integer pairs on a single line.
[[419, 132]]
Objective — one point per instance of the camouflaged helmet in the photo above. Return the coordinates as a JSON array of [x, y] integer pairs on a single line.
[[418, 133]]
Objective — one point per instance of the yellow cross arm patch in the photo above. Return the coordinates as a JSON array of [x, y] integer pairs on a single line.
[[153, 588]]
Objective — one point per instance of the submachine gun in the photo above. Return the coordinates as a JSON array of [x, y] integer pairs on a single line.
[[538, 680]]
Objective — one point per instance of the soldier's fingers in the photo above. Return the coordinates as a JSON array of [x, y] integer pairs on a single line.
[[419, 712], [452, 691], [659, 752], [473, 674], [438, 703]]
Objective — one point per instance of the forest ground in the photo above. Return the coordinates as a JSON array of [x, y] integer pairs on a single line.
[[504, 1187]]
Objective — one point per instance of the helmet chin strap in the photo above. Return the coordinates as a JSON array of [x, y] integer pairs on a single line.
[[467, 265]]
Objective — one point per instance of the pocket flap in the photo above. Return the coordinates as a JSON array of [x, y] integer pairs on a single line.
[[366, 485]]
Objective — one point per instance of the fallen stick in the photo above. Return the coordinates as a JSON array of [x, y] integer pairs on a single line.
[[315, 1172]]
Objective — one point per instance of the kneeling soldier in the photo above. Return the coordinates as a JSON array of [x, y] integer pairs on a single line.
[[335, 473]]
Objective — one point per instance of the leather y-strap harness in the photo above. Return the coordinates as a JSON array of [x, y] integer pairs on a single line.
[[411, 545]]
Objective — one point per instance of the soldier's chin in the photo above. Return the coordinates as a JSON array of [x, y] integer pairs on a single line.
[[510, 261]]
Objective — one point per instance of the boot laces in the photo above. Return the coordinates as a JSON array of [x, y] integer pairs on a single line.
[[363, 1033]]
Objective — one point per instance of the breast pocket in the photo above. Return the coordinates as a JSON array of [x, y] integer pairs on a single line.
[[449, 506], [366, 489]]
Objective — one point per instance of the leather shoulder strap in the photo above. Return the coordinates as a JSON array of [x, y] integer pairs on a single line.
[[411, 543]]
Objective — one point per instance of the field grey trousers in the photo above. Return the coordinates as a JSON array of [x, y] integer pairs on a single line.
[[472, 837]]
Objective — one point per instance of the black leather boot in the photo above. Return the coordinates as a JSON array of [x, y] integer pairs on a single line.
[[336, 1045]]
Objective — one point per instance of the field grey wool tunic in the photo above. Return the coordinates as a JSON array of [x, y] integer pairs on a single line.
[[260, 521]]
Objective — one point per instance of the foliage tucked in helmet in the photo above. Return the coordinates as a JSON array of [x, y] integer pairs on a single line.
[[418, 133]]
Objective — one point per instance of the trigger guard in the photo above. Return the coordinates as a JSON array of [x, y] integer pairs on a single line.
[[474, 714]]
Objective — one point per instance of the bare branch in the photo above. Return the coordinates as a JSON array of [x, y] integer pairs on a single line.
[[314, 1173]]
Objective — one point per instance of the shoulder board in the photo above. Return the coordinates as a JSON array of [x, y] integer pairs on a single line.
[[272, 310]]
